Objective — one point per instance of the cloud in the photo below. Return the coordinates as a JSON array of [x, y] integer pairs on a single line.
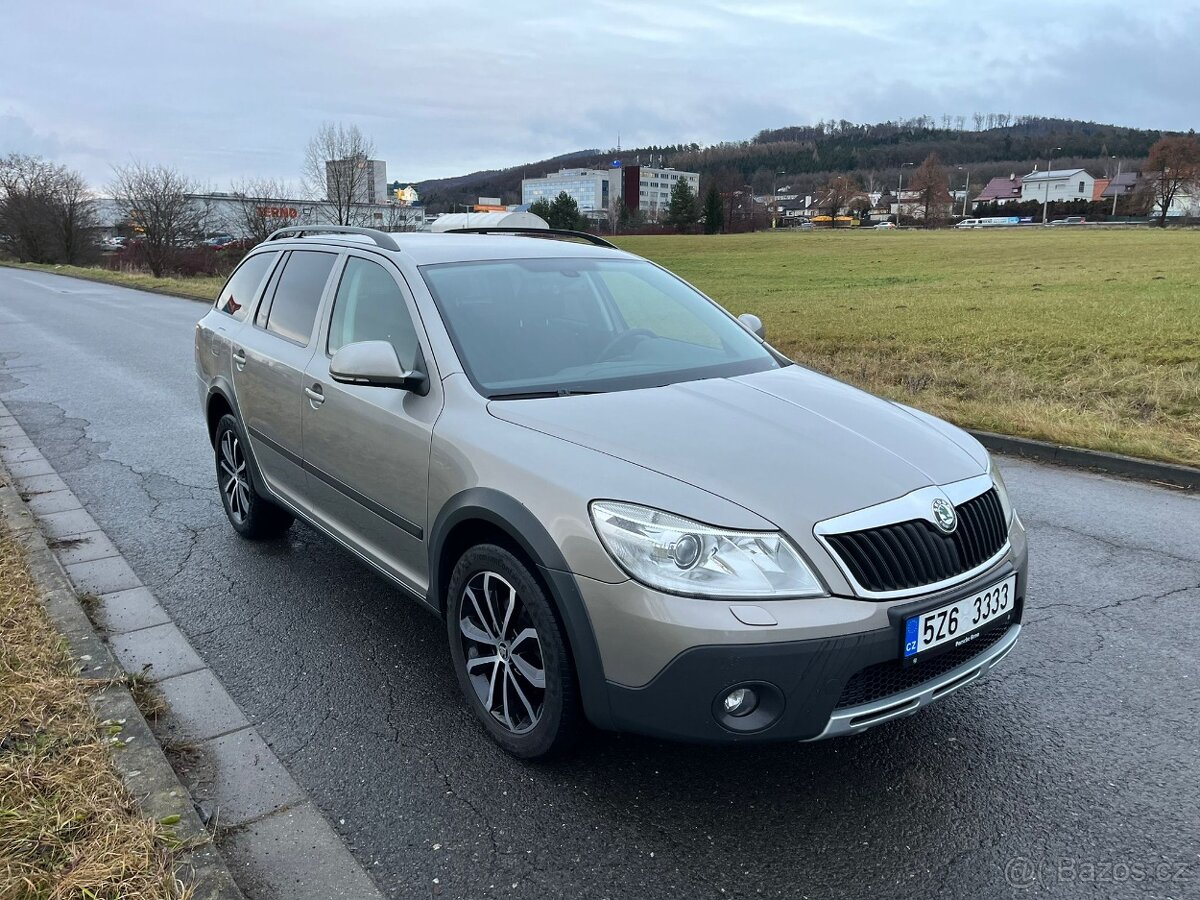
[[226, 90]]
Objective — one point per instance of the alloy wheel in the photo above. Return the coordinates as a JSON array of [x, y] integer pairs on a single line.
[[501, 652], [235, 483]]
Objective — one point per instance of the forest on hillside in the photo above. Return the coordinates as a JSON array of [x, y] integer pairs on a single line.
[[809, 156]]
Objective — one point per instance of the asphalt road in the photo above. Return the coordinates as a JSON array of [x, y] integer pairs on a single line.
[[1073, 771]]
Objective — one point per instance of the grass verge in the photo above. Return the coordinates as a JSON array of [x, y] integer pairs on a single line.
[[1087, 337], [200, 287], [68, 827]]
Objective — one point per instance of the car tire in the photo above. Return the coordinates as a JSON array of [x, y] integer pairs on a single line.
[[252, 516], [511, 655]]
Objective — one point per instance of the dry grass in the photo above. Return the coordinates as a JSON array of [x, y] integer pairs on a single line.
[[1081, 336], [202, 287], [68, 828], [1089, 337]]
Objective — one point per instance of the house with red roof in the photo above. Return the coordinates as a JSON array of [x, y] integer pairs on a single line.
[[1001, 190]]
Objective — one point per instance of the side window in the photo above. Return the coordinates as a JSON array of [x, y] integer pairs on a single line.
[[242, 286], [298, 294], [370, 306]]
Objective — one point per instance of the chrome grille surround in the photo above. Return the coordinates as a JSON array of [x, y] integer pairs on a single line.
[[917, 505]]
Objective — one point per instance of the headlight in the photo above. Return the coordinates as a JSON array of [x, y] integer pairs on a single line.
[[1002, 490], [675, 554]]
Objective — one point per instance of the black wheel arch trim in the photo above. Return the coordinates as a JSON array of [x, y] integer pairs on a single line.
[[221, 388], [523, 528]]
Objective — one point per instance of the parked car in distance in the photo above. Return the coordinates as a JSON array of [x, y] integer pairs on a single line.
[[1070, 220], [626, 506], [884, 225], [806, 226], [219, 241]]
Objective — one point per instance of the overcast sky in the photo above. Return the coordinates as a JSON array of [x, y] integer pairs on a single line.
[[444, 87]]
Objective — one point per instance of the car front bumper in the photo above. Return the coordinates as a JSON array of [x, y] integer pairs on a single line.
[[838, 681]]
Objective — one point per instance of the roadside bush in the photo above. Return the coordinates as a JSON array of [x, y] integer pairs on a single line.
[[186, 261]]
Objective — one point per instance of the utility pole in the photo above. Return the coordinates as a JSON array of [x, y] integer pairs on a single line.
[[1046, 182], [966, 189], [1116, 189]]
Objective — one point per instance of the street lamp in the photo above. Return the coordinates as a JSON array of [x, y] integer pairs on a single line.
[[1116, 187], [966, 189], [900, 190], [1046, 196]]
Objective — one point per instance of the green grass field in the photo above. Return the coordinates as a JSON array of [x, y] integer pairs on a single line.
[[1085, 337]]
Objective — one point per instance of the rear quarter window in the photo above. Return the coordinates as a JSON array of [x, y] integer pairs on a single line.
[[243, 285]]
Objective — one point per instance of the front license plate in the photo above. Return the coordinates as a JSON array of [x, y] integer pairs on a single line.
[[956, 623]]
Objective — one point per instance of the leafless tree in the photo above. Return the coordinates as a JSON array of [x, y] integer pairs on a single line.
[[76, 218], [932, 187], [262, 207], [616, 211], [335, 168], [1173, 166], [162, 209], [838, 195], [47, 213]]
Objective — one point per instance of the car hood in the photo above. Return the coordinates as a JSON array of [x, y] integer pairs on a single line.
[[791, 445]]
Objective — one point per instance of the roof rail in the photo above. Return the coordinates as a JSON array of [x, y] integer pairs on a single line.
[[538, 232], [381, 238]]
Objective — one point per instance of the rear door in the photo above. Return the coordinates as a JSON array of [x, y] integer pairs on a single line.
[[216, 329], [268, 364], [367, 448]]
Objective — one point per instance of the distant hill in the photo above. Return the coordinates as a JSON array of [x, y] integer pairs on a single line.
[[987, 146]]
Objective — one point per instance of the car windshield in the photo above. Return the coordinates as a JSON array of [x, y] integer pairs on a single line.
[[537, 327]]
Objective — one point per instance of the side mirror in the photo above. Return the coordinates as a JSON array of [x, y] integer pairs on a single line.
[[752, 323], [375, 363]]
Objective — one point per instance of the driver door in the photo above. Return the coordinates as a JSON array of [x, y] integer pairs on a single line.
[[366, 448]]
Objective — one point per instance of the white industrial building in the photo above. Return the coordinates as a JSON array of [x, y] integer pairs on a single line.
[[227, 213], [643, 188], [592, 189], [654, 186]]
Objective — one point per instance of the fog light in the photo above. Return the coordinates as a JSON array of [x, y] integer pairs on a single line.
[[740, 701]]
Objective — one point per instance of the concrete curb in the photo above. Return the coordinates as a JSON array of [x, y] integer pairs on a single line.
[[1178, 476], [272, 837]]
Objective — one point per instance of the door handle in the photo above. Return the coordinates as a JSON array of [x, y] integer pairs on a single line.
[[239, 358], [315, 395]]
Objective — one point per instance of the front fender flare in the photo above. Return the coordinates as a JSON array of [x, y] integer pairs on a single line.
[[516, 521]]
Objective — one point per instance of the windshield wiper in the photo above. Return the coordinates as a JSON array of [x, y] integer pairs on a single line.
[[531, 395]]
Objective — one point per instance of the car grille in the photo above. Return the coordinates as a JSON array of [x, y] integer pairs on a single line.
[[892, 677], [915, 553]]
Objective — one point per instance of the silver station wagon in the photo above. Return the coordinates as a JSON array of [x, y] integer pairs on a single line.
[[628, 509]]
